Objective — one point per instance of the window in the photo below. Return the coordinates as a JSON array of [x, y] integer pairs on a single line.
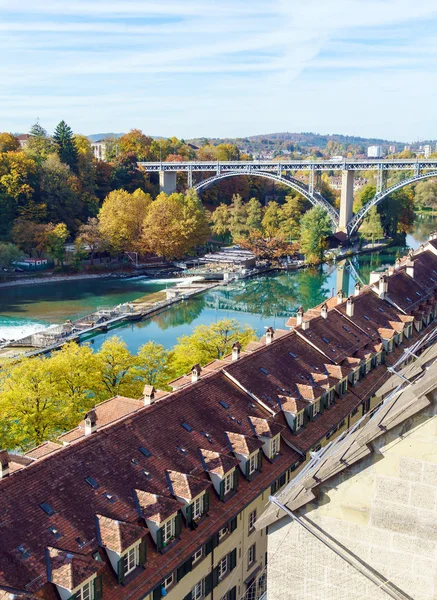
[[168, 530], [197, 508], [222, 532], [168, 582], [316, 408], [299, 419], [85, 592], [251, 556], [197, 555], [275, 446], [228, 483], [197, 591], [253, 463], [223, 567], [130, 560], [252, 519], [47, 508]]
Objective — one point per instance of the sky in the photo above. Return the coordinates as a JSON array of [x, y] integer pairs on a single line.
[[221, 68]]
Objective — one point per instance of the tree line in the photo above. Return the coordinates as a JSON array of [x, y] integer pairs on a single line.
[[42, 397]]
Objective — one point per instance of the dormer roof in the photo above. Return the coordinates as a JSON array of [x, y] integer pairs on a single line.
[[217, 462], [186, 486], [264, 427], [118, 535], [293, 405], [70, 570], [156, 508], [243, 444]]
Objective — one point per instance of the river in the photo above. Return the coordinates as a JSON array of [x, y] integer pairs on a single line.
[[260, 302]]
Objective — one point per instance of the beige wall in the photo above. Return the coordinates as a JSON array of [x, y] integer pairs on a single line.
[[383, 509]]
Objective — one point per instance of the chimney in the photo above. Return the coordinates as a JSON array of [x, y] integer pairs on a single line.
[[382, 287], [324, 311], [270, 332], [148, 395], [411, 253], [305, 325], [195, 373], [340, 296], [397, 264], [350, 307], [90, 422], [299, 316], [374, 277], [410, 268], [236, 349], [357, 288], [433, 236], [4, 464]]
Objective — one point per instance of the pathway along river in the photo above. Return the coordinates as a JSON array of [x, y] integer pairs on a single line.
[[261, 301]]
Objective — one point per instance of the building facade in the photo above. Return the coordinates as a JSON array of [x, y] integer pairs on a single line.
[[374, 151], [163, 495]]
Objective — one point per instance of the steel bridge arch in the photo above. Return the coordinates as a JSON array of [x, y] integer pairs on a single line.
[[315, 198], [355, 222]]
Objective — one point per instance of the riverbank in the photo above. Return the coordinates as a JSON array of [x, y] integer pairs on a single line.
[[56, 278]]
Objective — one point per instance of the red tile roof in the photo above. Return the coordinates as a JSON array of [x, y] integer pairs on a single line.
[[217, 462], [118, 535], [156, 508], [243, 444], [70, 570], [186, 486]]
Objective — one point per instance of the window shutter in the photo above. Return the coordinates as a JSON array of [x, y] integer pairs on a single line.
[[233, 559], [159, 539], [247, 474], [233, 593], [233, 525], [206, 501], [215, 577], [98, 587], [260, 460], [222, 490], [178, 525], [305, 415], [157, 593], [208, 584], [189, 596], [74, 596], [189, 515], [236, 478], [142, 553], [211, 544], [184, 569], [180, 572], [120, 570]]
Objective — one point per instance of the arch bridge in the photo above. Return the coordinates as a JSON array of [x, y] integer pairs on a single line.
[[282, 172]]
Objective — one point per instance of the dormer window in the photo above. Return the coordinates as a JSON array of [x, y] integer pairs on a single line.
[[252, 464], [198, 507], [299, 419], [316, 409], [228, 483], [131, 559], [168, 530], [274, 449]]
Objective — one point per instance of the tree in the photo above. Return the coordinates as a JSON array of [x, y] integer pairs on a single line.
[[315, 227], [136, 143], [116, 369], [426, 194], [65, 146], [86, 165], [126, 174], [8, 254], [207, 343], [397, 212], [175, 225], [292, 211], [17, 186], [152, 365], [254, 214], [8, 143], [39, 145], [220, 221], [238, 218], [371, 227], [268, 248], [90, 236], [121, 219], [56, 237], [28, 405], [272, 219], [366, 193], [228, 152], [30, 236]]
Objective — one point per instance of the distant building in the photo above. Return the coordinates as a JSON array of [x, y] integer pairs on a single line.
[[99, 149], [374, 152], [23, 138], [392, 149], [427, 150]]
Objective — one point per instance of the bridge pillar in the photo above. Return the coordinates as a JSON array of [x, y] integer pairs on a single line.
[[346, 200], [167, 181]]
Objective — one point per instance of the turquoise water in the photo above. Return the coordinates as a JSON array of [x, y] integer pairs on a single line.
[[260, 302]]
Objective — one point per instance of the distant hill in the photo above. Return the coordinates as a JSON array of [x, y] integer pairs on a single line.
[[101, 136]]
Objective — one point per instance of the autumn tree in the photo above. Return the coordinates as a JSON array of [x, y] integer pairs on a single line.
[[426, 194], [137, 143], [31, 237], [8, 142], [315, 228], [56, 236], [17, 185], [65, 146], [90, 236], [220, 221], [237, 218], [207, 343], [39, 144], [272, 219], [254, 214], [121, 219], [292, 212], [151, 365], [117, 370], [126, 174]]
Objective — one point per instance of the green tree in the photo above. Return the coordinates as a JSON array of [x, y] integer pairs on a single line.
[[365, 194], [254, 214], [371, 227], [238, 218], [65, 146], [426, 194], [121, 219], [39, 145], [56, 237], [8, 254], [272, 219], [116, 368], [315, 226], [151, 365], [207, 343], [292, 211]]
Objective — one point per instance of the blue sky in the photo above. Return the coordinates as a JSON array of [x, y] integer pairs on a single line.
[[221, 67]]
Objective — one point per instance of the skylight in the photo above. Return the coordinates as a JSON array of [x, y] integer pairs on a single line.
[[264, 371], [110, 497], [24, 553], [144, 451], [55, 532], [366, 317], [187, 427], [292, 354], [147, 474], [418, 293], [346, 328], [381, 309], [325, 340], [47, 509], [182, 450], [224, 404], [92, 482]]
